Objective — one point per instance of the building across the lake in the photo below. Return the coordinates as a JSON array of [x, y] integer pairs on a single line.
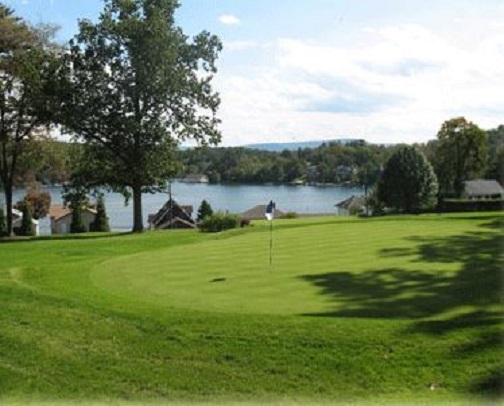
[[195, 178]]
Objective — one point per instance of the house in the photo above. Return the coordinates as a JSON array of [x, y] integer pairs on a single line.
[[352, 205], [17, 218], [172, 216], [195, 178], [483, 189], [61, 218], [257, 213]]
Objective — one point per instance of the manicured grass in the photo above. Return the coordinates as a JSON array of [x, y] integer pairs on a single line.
[[366, 310]]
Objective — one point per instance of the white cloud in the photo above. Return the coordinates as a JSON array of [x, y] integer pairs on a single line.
[[229, 19], [399, 86]]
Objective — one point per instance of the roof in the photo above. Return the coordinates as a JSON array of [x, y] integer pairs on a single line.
[[483, 187], [352, 201], [58, 211], [17, 216], [172, 215], [257, 212]]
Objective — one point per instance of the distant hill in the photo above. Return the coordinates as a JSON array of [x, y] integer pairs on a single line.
[[280, 146]]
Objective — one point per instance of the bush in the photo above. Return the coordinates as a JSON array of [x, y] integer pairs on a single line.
[[100, 224], [290, 215], [219, 222], [204, 210], [244, 222], [26, 228], [77, 226], [3, 226]]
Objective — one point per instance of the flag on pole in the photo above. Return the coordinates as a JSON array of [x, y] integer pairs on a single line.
[[270, 211]]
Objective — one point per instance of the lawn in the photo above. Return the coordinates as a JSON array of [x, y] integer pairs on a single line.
[[398, 309]]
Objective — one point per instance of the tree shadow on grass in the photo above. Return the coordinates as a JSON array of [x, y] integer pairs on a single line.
[[438, 302]]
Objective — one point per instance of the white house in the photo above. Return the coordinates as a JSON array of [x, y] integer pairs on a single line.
[[17, 218], [61, 218]]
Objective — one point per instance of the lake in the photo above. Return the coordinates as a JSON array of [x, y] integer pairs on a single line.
[[224, 197]]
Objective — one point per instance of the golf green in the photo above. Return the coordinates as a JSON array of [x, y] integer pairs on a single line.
[[234, 274]]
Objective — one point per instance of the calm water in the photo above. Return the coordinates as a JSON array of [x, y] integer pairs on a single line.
[[233, 198]]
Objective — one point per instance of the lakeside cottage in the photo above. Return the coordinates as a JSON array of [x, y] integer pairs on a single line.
[[172, 216], [195, 178], [352, 205], [61, 218], [483, 189], [17, 218], [257, 213]]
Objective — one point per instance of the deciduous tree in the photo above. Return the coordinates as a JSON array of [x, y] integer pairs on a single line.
[[136, 87], [27, 68], [461, 155]]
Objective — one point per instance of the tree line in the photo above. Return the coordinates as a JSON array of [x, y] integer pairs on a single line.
[[131, 87]]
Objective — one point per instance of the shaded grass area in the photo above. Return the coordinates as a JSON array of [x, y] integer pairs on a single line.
[[384, 333], [468, 302]]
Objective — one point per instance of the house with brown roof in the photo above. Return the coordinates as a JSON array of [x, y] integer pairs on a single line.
[[61, 218], [257, 213], [172, 216]]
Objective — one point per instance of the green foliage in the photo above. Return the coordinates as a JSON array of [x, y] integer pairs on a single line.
[[28, 70], [137, 87], [38, 200], [26, 229], [77, 225], [3, 226], [461, 155], [290, 215], [495, 168], [408, 182], [100, 224], [219, 222], [355, 163], [204, 210]]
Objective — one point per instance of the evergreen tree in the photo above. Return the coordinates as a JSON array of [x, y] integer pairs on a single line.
[[77, 226], [204, 210], [3, 227], [26, 228], [101, 220], [408, 182]]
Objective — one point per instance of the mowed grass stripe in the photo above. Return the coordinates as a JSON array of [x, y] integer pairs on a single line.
[[234, 275]]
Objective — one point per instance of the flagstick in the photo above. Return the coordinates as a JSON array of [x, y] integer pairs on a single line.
[[271, 243]]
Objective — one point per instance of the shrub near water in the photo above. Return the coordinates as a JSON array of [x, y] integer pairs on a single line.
[[219, 222]]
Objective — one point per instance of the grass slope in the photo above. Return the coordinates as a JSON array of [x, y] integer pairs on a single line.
[[352, 310]]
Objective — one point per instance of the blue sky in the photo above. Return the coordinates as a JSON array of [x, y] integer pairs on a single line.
[[381, 70]]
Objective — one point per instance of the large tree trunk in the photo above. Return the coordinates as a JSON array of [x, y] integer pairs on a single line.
[[137, 209], [8, 208]]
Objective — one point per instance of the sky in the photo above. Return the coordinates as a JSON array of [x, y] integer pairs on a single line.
[[386, 71]]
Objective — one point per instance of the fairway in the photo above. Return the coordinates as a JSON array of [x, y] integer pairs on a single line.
[[312, 271], [383, 310]]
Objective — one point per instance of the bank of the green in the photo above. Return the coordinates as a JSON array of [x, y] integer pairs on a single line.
[[371, 310]]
